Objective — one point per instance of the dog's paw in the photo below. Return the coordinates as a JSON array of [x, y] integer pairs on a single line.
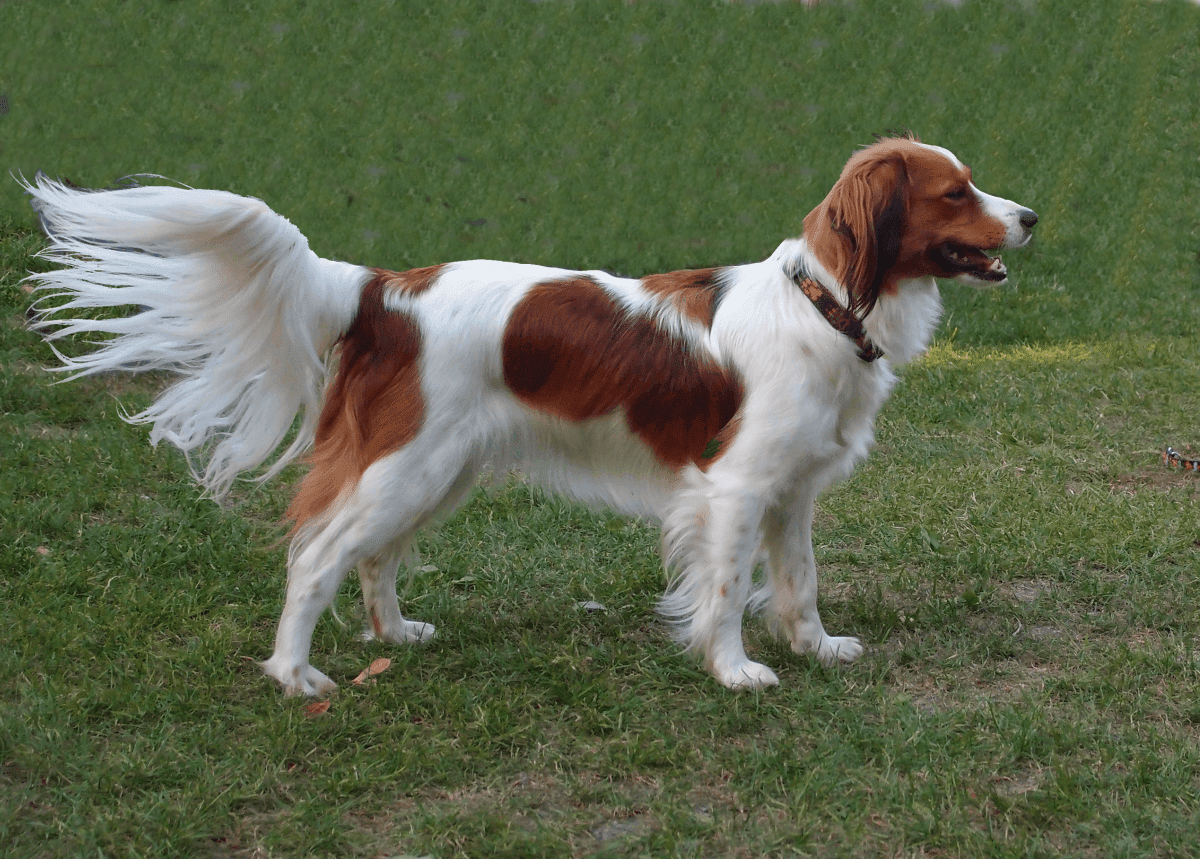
[[746, 675], [406, 631], [810, 637], [299, 679], [835, 649]]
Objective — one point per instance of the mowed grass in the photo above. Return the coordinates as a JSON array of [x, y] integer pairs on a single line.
[[1015, 554]]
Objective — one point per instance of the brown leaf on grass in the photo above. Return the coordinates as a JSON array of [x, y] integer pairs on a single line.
[[316, 708], [379, 666]]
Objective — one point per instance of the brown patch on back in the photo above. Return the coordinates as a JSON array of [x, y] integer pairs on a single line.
[[414, 281], [695, 292], [569, 350], [374, 405]]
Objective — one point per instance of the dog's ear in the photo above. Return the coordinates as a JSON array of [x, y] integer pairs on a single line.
[[867, 210]]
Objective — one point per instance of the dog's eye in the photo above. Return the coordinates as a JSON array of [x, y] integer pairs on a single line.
[[957, 194]]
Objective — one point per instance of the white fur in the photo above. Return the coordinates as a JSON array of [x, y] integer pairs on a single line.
[[230, 298], [1006, 211], [237, 304]]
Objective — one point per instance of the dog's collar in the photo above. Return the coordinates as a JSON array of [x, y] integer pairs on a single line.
[[839, 317]]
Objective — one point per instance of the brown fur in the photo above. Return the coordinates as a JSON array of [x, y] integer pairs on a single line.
[[695, 292], [886, 214], [932, 219], [860, 222], [414, 281], [570, 351], [374, 405]]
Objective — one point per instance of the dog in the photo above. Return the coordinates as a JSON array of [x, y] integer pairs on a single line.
[[718, 402]]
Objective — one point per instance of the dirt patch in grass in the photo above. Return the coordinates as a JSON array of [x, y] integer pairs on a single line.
[[112, 382], [1162, 479], [52, 432], [582, 814], [590, 812], [1027, 591], [1156, 477], [246, 839], [1019, 783], [934, 688], [24, 368]]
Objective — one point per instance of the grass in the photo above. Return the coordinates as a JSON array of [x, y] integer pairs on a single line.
[[1017, 558]]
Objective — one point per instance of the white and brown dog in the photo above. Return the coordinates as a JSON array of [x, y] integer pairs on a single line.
[[718, 401]]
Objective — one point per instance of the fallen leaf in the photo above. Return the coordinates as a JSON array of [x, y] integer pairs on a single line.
[[379, 666], [316, 708]]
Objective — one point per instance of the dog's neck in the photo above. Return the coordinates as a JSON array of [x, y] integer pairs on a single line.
[[841, 318], [904, 319], [901, 324]]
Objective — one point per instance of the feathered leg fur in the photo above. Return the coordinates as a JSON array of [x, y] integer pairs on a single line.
[[711, 539], [791, 589]]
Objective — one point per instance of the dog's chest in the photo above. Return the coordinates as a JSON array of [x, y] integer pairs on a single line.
[[829, 417]]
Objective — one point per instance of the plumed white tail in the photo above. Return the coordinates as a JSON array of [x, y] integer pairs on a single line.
[[227, 294]]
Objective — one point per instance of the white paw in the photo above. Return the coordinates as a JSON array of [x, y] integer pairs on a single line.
[[402, 633], [746, 675], [299, 679], [835, 649]]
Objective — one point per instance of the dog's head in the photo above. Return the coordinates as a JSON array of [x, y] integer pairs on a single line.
[[903, 209]]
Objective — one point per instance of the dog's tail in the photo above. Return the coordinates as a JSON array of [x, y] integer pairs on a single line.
[[225, 293]]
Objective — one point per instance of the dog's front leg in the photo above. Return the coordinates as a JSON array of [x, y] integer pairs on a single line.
[[731, 540], [791, 611]]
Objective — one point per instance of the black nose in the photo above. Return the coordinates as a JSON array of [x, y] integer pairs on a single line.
[[1028, 218]]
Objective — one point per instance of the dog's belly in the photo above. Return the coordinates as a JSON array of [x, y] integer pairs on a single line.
[[597, 461]]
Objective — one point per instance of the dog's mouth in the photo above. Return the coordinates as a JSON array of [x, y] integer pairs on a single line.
[[963, 259]]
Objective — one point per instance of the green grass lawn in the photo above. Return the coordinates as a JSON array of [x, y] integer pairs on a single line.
[[1019, 561]]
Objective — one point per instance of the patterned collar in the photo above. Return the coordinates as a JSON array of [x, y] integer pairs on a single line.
[[839, 317]]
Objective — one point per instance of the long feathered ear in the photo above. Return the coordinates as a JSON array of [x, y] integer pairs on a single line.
[[867, 209]]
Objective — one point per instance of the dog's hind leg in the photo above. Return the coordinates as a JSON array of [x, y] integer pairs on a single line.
[[378, 574], [791, 591], [371, 526], [315, 572], [378, 578]]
